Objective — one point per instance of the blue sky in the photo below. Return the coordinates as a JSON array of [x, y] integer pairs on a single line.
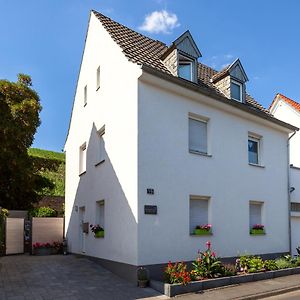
[[45, 39]]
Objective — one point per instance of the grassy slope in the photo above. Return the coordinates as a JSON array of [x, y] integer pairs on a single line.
[[56, 174]]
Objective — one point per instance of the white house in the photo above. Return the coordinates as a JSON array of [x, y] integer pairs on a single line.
[[160, 143], [288, 110]]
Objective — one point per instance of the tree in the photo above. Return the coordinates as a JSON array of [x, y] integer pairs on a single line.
[[19, 118]]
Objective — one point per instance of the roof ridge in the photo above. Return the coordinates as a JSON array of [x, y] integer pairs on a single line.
[[111, 20]]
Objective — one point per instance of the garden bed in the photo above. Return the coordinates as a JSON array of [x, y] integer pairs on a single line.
[[172, 290]]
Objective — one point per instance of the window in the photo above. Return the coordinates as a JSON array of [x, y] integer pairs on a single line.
[[198, 211], [236, 90], [82, 159], [253, 150], [85, 96], [101, 146], [98, 78], [185, 70], [100, 213], [198, 136], [255, 213]]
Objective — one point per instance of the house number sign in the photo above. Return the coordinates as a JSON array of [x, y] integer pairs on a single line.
[[150, 209]]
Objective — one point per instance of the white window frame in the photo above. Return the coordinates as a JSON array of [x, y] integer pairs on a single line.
[[98, 213], [98, 78], [101, 146], [258, 141], [183, 60], [85, 95], [203, 120], [241, 90], [262, 207], [82, 158], [199, 198]]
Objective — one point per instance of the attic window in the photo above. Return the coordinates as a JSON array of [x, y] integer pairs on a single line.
[[236, 90], [185, 68]]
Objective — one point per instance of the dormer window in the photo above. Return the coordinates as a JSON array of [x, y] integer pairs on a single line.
[[236, 90], [185, 69]]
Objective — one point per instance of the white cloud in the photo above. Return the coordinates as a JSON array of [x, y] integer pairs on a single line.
[[160, 22]]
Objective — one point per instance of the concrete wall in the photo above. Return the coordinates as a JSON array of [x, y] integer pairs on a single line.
[[286, 113], [115, 180], [166, 165]]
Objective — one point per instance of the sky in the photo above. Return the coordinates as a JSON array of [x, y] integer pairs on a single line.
[[45, 39]]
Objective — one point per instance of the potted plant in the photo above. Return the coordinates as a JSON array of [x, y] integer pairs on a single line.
[[97, 230], [203, 229], [42, 248], [257, 229], [142, 277]]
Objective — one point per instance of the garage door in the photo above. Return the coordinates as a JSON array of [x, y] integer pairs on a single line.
[[295, 234]]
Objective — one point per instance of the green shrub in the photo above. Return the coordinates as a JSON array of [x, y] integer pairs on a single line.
[[229, 270], [270, 265], [256, 264], [42, 212], [177, 273], [283, 263]]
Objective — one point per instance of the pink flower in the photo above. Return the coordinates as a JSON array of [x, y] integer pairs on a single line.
[[213, 254], [208, 244]]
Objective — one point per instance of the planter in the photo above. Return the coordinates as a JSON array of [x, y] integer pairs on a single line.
[[257, 232], [99, 234], [42, 251], [142, 283], [202, 232]]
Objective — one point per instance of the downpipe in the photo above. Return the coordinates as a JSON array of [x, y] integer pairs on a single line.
[[289, 191]]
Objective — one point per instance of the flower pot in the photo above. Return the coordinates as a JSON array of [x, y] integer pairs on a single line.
[[142, 283], [202, 232], [42, 251], [99, 234], [257, 231]]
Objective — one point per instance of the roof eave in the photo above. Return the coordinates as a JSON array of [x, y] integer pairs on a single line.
[[195, 87]]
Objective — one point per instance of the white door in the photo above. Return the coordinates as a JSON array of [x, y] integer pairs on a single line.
[[295, 224], [81, 233], [14, 235]]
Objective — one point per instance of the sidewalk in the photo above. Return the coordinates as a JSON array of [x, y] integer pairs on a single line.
[[247, 291]]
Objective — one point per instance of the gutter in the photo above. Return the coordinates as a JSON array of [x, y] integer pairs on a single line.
[[289, 191], [205, 90]]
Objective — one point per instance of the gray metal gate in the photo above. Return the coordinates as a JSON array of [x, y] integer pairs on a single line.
[[14, 235]]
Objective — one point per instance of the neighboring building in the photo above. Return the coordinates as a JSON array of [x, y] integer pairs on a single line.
[[159, 143], [288, 110]]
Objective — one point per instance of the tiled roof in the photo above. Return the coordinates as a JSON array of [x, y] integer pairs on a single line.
[[144, 50], [291, 102]]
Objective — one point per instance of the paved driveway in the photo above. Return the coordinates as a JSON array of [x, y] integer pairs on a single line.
[[63, 277]]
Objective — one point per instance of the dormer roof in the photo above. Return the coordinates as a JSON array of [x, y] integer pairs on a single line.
[[148, 52], [235, 70]]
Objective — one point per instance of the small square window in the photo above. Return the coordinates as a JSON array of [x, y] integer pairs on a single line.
[[198, 212], [98, 78], [82, 159], [253, 150], [197, 136], [85, 96], [236, 91]]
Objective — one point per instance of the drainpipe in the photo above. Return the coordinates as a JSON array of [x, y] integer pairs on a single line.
[[289, 192]]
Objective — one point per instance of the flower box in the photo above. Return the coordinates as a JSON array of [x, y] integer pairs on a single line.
[[42, 251], [202, 232], [99, 234], [257, 232]]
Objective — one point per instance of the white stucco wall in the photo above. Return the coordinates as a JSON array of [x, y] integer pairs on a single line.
[[295, 182], [115, 106], [166, 165], [286, 113]]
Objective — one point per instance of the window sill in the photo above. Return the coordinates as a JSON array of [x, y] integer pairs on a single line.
[[202, 234], [100, 162], [82, 173], [256, 165], [200, 153]]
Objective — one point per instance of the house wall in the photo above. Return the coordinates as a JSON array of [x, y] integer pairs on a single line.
[[286, 113], [295, 182], [115, 180], [166, 165]]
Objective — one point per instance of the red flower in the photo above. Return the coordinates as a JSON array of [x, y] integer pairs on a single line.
[[208, 244]]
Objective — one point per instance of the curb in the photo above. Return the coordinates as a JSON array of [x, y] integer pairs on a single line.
[[270, 293]]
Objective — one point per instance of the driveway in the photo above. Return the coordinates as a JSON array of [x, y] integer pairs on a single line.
[[63, 277]]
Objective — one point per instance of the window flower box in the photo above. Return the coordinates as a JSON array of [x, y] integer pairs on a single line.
[[97, 230], [257, 229], [203, 230]]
